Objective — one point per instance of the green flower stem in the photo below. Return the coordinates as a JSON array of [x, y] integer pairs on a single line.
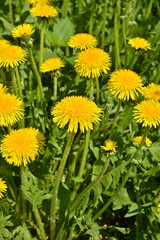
[[82, 165], [124, 32], [77, 79], [104, 23], [80, 6], [55, 88], [65, 4], [133, 60], [67, 51], [91, 89], [89, 188], [91, 17], [71, 232], [64, 14], [116, 35], [147, 66], [156, 81], [97, 88], [34, 66], [74, 162], [115, 120], [113, 196], [56, 187], [12, 187], [135, 182], [24, 183], [41, 43], [124, 39], [14, 83], [97, 215], [22, 121], [11, 12], [3, 76], [149, 8], [64, 225], [40, 224], [19, 83]]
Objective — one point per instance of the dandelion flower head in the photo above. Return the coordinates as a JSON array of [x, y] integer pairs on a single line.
[[3, 43], [137, 141], [21, 146], [109, 145], [52, 64], [92, 62], [82, 41], [78, 111], [152, 91], [12, 56], [3, 89], [3, 187], [158, 208], [125, 84], [21, 29], [11, 109], [148, 113], [45, 10], [34, 2], [139, 43]]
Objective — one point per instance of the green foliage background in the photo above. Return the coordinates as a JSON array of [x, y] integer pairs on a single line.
[[125, 218]]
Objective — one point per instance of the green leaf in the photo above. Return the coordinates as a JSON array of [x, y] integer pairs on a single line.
[[107, 180], [7, 25], [121, 200], [132, 210], [26, 7], [77, 179], [126, 118], [95, 150], [48, 53], [155, 150], [62, 31]]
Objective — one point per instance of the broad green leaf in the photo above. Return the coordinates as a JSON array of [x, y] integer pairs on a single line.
[[155, 150], [62, 31], [132, 210], [121, 200], [7, 25]]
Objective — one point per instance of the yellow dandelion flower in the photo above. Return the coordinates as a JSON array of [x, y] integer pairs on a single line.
[[43, 11], [139, 43], [109, 145], [22, 146], [137, 141], [52, 64], [148, 113], [125, 84], [82, 41], [92, 62], [3, 43], [3, 187], [3, 89], [34, 2], [152, 91], [11, 109], [158, 208], [21, 29], [11, 56], [77, 111]]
